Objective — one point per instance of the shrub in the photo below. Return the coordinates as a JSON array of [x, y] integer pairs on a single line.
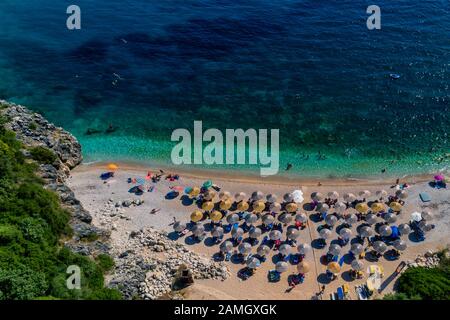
[[426, 283], [32, 126], [43, 155], [105, 262]]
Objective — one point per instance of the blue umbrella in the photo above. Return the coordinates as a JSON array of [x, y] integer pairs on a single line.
[[140, 181]]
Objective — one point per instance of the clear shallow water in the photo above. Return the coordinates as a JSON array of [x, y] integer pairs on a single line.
[[311, 69]]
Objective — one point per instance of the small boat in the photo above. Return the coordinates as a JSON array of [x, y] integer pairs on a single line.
[[394, 76]]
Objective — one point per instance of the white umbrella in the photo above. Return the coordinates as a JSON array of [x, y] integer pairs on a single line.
[[371, 218], [323, 207], [400, 245], [288, 197], [356, 249], [427, 215], [253, 262], [268, 219], [357, 265], [390, 217], [379, 246], [275, 207], [366, 231], [236, 233], [271, 198], [226, 246], [381, 193], [244, 248], [340, 207], [257, 195], [285, 249], [255, 233], [325, 233], [364, 193], [240, 196], [303, 248], [275, 235], [223, 195], [402, 194], [263, 250], [198, 229], [404, 229], [281, 266], [334, 249], [331, 220], [297, 196], [232, 218], [285, 218], [301, 217], [345, 233], [217, 232], [416, 216], [349, 197], [317, 196], [333, 195], [179, 226], [251, 218], [292, 233], [385, 231], [424, 226], [351, 219]]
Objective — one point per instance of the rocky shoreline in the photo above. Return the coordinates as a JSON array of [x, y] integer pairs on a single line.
[[146, 264]]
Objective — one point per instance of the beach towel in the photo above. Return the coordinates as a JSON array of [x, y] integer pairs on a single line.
[[340, 293], [341, 261], [425, 197]]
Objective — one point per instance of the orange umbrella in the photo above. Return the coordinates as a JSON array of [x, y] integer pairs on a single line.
[[334, 267], [303, 267], [112, 167]]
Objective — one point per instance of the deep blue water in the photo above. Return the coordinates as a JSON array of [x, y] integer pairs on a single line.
[[310, 68]]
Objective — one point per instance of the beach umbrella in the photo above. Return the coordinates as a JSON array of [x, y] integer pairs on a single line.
[[198, 229], [345, 233], [208, 205], [225, 204], [364, 193], [217, 232], [251, 218], [303, 267], [424, 226], [404, 229], [254, 233], [285, 218], [333, 195], [292, 233], [297, 196], [112, 166], [179, 226], [236, 233], [196, 216], [281, 266], [331, 220], [351, 219], [258, 206], [385, 230], [427, 215], [379, 246], [262, 250], [390, 217], [416, 216], [381, 193], [215, 216], [141, 182], [242, 206], [334, 267], [187, 190], [275, 207], [317, 196], [402, 194], [288, 197], [371, 218], [291, 207], [325, 233], [366, 232], [257, 195], [356, 249], [323, 207], [349, 197], [396, 206], [244, 248], [285, 249], [226, 246], [357, 265], [207, 184], [303, 248], [301, 217], [240, 196], [377, 207], [232, 218], [209, 195], [253, 262], [224, 195], [340, 207], [268, 219], [400, 245], [271, 198], [362, 207], [194, 192], [439, 177], [275, 235], [334, 249]]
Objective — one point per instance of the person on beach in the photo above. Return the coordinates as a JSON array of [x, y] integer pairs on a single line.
[[154, 210]]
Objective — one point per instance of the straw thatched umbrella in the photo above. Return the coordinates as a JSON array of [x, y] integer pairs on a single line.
[[226, 246], [244, 248], [349, 197], [285, 218], [198, 229], [288, 197], [340, 207], [303, 248], [334, 267], [232, 218], [390, 217], [371, 218], [334, 249], [291, 207], [333, 195], [297, 196], [179, 226], [385, 231], [396, 206], [357, 265], [194, 192], [196, 216], [379, 246], [275, 207], [331, 220], [275, 235], [263, 250], [257, 195], [404, 229], [323, 207], [267, 219], [364, 194], [209, 195], [215, 216], [292, 233], [242, 206], [224, 195], [381, 193], [255, 233], [366, 232], [345, 233], [208, 205], [426, 214], [402, 194], [356, 249], [377, 207], [416, 216], [303, 267], [253, 262], [258, 206], [284, 249], [217, 232], [317, 196], [251, 218], [225, 204], [399, 245], [281, 266], [325, 233], [236, 233], [240, 196], [271, 198], [301, 217], [362, 207]]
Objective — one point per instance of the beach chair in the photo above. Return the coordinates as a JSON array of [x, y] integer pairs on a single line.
[[346, 289], [340, 293], [228, 256]]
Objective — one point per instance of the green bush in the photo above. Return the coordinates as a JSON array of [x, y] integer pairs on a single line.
[[105, 262], [32, 126], [43, 155], [426, 283]]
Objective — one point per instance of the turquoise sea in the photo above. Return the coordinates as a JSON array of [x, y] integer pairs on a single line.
[[309, 68]]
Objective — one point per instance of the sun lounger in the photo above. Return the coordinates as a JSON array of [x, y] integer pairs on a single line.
[[340, 293]]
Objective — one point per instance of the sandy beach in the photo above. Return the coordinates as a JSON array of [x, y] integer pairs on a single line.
[[95, 193]]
